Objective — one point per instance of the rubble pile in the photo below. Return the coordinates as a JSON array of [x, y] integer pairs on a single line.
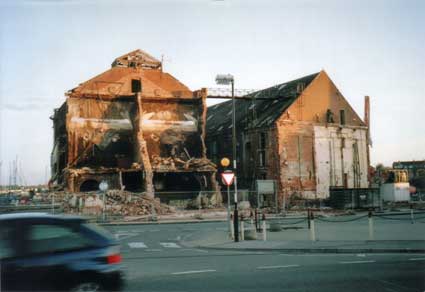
[[118, 202], [129, 204]]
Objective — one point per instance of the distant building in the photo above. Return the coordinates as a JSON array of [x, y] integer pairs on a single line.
[[416, 173], [414, 168], [303, 134]]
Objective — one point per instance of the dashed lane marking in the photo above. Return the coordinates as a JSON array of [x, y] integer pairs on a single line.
[[277, 267], [193, 272], [137, 245], [170, 245], [417, 259], [194, 249], [357, 262]]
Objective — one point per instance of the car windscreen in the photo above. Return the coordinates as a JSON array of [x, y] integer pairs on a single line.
[[100, 233], [45, 237]]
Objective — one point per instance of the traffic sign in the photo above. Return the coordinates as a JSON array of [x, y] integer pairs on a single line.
[[103, 186], [228, 177]]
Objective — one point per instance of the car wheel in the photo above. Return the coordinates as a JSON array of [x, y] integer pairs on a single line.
[[86, 287]]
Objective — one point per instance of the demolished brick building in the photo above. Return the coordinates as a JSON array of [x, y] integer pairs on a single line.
[[302, 134], [134, 126]]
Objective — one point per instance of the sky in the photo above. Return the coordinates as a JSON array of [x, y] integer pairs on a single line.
[[373, 48]]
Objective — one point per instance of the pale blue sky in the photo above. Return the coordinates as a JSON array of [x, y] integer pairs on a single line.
[[371, 48]]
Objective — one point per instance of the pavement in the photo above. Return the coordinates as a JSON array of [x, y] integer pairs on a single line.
[[348, 234]]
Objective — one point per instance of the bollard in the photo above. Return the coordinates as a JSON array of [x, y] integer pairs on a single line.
[[104, 208], [312, 227], [412, 219], [308, 218], [370, 225], [256, 219], [232, 231], [242, 231], [264, 227], [53, 204]]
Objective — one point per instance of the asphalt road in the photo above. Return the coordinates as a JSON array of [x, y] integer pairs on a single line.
[[155, 260]]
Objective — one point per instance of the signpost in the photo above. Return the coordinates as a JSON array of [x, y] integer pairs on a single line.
[[227, 177], [103, 187]]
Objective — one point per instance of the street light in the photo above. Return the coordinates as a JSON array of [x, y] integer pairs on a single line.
[[226, 79]]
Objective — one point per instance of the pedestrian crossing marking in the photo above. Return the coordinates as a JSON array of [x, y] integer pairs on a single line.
[[137, 245], [170, 244]]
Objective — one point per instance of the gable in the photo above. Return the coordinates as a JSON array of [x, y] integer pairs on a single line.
[[322, 94]]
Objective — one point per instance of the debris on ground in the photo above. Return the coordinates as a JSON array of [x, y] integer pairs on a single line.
[[118, 202]]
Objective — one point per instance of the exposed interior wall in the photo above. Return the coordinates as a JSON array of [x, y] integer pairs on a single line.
[[171, 129], [99, 133]]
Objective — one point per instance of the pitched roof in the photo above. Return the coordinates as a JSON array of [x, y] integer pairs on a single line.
[[116, 81], [268, 104]]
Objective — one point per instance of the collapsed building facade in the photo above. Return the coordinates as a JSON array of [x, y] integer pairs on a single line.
[[134, 126], [302, 134]]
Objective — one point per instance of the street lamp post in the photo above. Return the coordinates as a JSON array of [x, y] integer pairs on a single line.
[[229, 79]]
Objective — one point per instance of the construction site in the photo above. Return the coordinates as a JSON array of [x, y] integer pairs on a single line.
[[157, 146]]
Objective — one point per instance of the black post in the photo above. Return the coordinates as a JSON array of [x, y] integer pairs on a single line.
[[236, 226], [236, 223], [255, 218], [308, 218]]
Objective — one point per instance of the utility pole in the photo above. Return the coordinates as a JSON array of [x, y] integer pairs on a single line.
[[236, 215], [227, 79]]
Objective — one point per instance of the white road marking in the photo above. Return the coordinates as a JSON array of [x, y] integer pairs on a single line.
[[357, 262], [361, 255], [194, 249], [153, 249], [193, 272], [137, 245], [170, 244], [201, 250], [154, 230], [125, 235], [277, 267], [417, 259]]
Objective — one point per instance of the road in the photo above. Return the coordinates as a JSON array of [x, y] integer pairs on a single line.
[[155, 260]]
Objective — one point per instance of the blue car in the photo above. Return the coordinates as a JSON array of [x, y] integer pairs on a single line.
[[42, 252]]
